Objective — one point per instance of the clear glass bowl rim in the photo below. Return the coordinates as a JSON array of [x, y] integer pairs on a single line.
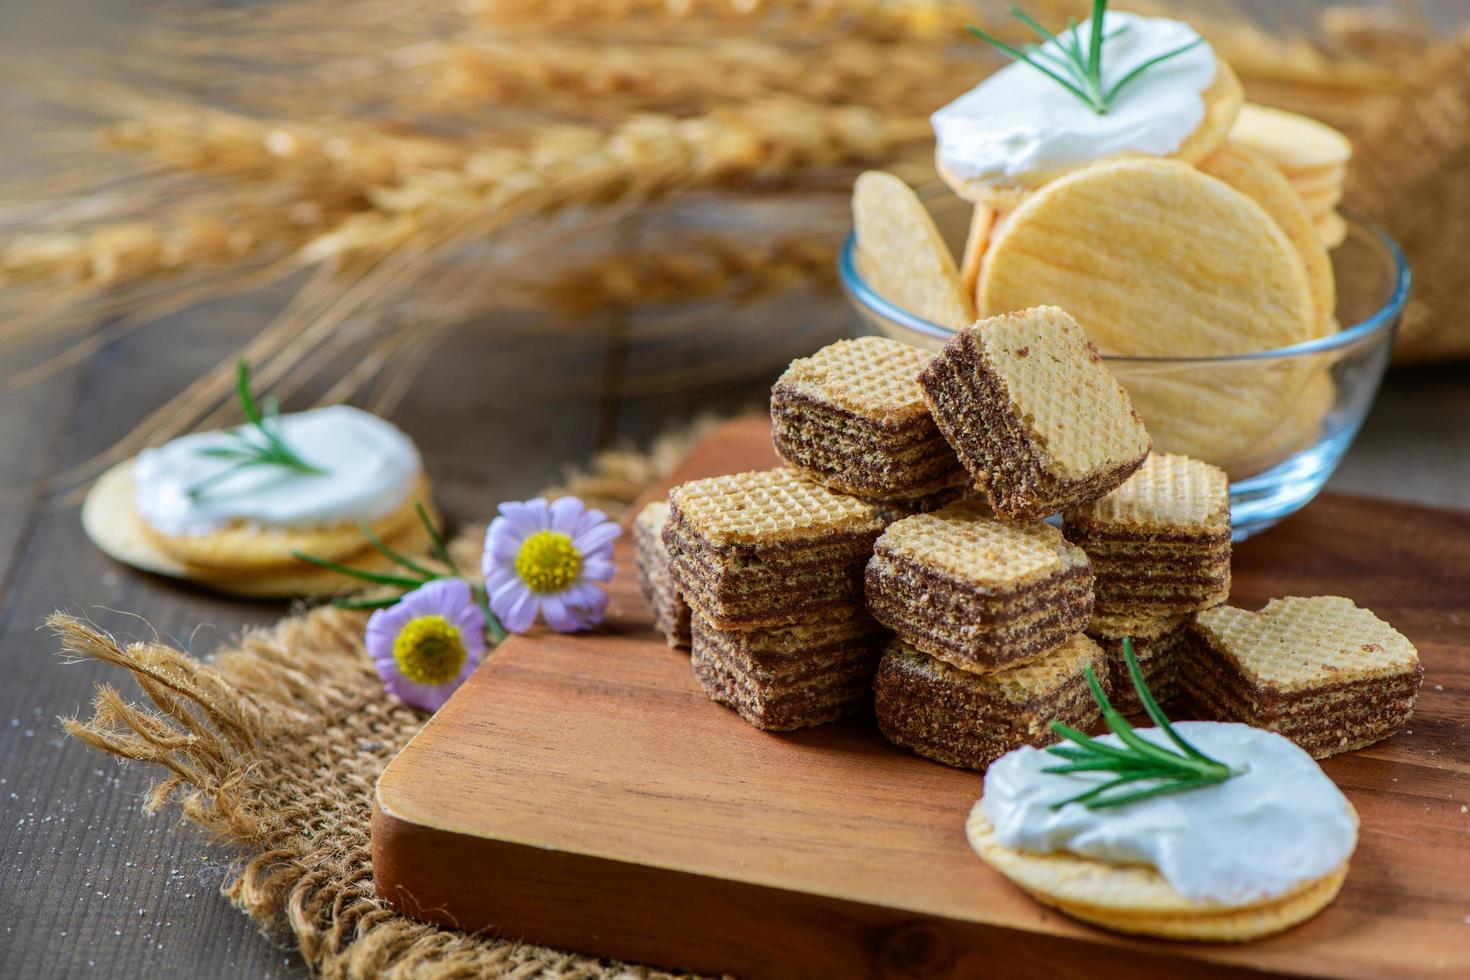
[[1381, 320]]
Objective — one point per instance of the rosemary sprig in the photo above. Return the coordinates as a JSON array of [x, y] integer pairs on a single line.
[[267, 448], [1070, 65], [1164, 770], [413, 573]]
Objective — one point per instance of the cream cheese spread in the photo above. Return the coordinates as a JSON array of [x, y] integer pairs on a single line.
[[370, 468], [1256, 836], [1020, 124]]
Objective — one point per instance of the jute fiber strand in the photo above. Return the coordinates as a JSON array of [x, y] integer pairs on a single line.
[[275, 745]]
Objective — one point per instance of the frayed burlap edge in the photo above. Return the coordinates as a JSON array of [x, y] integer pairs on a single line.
[[275, 744]]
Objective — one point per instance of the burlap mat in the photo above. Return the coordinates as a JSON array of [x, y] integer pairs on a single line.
[[275, 745]]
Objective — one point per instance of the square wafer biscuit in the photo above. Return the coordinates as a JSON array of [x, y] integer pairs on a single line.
[[766, 548], [793, 677], [852, 417], [655, 578], [1159, 543], [1322, 671], [1032, 412], [978, 592], [969, 720], [1158, 642]]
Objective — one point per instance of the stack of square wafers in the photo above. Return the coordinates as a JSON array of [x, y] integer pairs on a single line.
[[912, 501], [771, 565]]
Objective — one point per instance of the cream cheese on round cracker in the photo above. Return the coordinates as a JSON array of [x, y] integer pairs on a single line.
[[1254, 837], [370, 469], [1019, 123]]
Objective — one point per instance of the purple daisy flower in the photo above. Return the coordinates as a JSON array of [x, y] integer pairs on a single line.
[[428, 643], [547, 558]]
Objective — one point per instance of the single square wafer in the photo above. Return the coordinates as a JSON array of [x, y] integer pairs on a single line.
[[1322, 671], [977, 592], [851, 417], [655, 579], [767, 548], [1160, 543], [1032, 412], [792, 677], [969, 720]]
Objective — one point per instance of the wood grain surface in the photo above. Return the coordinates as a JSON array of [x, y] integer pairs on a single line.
[[581, 791]]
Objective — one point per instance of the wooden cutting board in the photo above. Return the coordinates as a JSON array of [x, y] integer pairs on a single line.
[[580, 792]]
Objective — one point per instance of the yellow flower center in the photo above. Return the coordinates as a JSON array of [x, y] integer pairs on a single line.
[[430, 650], [548, 562]]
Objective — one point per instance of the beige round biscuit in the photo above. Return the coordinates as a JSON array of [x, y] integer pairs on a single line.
[[982, 220], [1316, 184], [902, 255], [244, 549], [1292, 142], [1301, 428], [1258, 179], [1331, 228], [1222, 98], [1224, 927], [1137, 899], [1153, 258], [111, 519]]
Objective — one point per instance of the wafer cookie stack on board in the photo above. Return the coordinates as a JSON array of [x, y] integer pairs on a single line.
[[1322, 671], [771, 565]]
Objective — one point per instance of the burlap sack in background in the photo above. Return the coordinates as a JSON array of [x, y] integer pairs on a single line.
[[1411, 173]]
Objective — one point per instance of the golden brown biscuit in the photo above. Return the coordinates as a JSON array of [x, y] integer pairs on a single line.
[[902, 255], [111, 520]]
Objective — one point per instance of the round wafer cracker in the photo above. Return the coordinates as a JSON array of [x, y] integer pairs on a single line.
[[1258, 179], [1331, 228], [112, 522], [982, 220], [1153, 258], [1291, 141], [241, 548], [1137, 899], [902, 255], [1222, 99]]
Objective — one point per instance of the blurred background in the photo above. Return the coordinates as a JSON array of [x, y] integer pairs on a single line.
[[526, 231]]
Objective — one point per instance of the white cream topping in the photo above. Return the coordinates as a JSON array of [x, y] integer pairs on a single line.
[[370, 468], [1019, 123], [1249, 839]]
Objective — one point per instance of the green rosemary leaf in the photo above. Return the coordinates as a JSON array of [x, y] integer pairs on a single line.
[[1137, 759], [1151, 707], [396, 557], [1020, 56], [382, 603], [1118, 86], [381, 578], [242, 392], [1095, 47], [436, 540]]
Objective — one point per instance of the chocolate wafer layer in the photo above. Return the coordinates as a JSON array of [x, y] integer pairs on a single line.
[[1321, 671], [852, 418], [1158, 642], [976, 592], [767, 548], [969, 720], [793, 677], [1033, 414], [655, 579]]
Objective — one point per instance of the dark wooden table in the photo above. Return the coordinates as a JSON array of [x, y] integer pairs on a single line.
[[88, 883]]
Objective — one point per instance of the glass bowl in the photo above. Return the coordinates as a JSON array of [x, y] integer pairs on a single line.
[[1278, 421]]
